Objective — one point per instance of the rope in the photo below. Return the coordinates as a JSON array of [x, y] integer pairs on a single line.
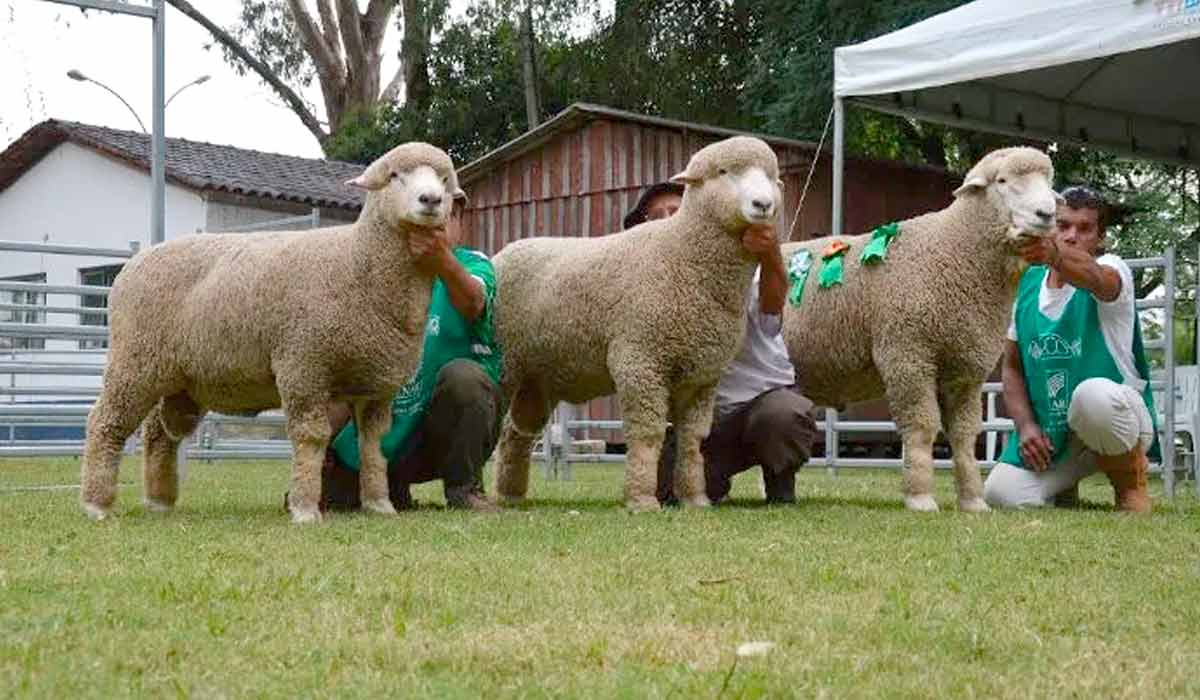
[[811, 168]]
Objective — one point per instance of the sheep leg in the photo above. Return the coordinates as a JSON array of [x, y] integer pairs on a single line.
[[526, 417], [169, 423], [111, 421], [373, 419], [644, 405], [308, 429], [693, 420], [912, 399], [961, 412]]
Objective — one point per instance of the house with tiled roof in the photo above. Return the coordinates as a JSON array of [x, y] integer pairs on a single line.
[[71, 183]]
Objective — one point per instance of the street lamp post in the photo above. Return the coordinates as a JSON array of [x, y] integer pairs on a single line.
[[202, 79], [156, 13], [76, 74]]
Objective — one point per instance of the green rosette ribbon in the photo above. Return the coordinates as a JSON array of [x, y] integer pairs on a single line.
[[831, 270], [877, 249], [798, 267]]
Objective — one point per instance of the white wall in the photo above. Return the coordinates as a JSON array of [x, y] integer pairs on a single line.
[[77, 196]]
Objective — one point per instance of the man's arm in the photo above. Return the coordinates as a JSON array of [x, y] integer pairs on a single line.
[[761, 241], [1035, 448], [772, 282], [435, 255], [1076, 267]]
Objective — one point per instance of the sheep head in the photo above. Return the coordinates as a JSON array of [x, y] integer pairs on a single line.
[[735, 181], [1017, 183], [413, 183]]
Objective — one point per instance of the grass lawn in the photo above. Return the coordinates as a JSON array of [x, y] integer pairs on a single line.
[[574, 597]]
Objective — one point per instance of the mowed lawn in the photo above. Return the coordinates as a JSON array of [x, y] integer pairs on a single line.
[[573, 597]]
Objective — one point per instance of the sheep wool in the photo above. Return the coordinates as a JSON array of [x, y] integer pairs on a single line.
[[924, 326]]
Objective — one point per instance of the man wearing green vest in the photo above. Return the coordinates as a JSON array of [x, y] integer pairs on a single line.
[[445, 421], [1074, 371]]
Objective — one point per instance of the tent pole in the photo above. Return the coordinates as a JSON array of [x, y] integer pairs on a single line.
[[839, 145]]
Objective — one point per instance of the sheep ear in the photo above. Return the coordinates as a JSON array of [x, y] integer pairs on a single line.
[[1059, 198], [971, 183], [459, 194], [684, 178], [375, 177], [779, 183]]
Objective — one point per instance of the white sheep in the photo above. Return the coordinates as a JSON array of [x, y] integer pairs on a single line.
[[925, 326], [244, 323], [654, 313]]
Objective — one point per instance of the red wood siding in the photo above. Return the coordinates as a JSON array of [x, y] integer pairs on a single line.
[[582, 182]]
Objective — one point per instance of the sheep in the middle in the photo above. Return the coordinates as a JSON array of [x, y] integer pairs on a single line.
[[654, 314]]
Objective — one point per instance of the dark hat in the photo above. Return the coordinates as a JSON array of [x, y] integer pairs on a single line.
[[637, 215]]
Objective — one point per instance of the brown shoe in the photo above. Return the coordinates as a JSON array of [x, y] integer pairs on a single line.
[[469, 498], [1127, 472]]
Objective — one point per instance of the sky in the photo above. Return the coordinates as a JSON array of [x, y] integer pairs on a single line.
[[40, 41]]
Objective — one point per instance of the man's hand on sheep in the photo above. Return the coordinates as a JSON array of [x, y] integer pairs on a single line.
[[761, 241], [435, 255], [1042, 250]]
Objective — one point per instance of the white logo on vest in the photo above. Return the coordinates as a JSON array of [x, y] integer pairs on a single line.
[[1052, 346]]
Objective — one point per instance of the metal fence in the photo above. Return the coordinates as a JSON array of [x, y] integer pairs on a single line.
[[66, 405], [55, 388]]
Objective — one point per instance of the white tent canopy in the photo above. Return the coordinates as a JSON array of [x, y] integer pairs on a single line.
[[1121, 75]]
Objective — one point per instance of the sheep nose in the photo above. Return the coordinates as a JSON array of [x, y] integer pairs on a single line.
[[763, 205], [430, 200], [1045, 216]]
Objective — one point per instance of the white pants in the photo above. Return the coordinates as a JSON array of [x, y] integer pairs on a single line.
[[1105, 418]]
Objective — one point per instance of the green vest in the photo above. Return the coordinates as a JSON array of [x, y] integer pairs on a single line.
[[448, 336], [1058, 355]]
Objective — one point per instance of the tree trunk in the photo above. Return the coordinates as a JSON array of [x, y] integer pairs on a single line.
[[533, 108], [414, 57], [289, 96]]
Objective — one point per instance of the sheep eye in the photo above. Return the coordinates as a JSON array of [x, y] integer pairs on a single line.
[[722, 171], [445, 180], [1002, 180], [395, 175]]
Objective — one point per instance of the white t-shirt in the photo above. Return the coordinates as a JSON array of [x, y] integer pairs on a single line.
[[1116, 317], [762, 362]]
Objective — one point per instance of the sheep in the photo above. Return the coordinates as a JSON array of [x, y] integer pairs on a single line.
[[653, 313], [926, 326], [244, 323]]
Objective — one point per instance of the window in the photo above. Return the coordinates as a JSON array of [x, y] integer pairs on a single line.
[[102, 276], [8, 315]]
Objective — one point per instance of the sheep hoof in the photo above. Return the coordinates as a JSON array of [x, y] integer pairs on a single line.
[[921, 503], [700, 501], [305, 516], [973, 505], [153, 505], [95, 512], [381, 506], [643, 505]]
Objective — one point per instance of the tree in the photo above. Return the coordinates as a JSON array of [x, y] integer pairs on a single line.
[[529, 66], [478, 83], [284, 45]]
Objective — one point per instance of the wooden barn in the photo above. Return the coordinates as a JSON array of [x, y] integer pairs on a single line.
[[578, 173]]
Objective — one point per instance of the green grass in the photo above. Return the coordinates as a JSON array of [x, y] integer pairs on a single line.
[[574, 597]]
